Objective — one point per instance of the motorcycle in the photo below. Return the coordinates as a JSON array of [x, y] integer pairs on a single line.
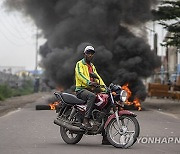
[[120, 126]]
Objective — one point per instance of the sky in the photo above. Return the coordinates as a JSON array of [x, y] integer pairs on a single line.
[[18, 39]]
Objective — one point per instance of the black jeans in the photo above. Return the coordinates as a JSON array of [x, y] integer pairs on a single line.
[[89, 97]]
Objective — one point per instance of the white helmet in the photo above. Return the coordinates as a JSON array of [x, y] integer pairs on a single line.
[[89, 48]]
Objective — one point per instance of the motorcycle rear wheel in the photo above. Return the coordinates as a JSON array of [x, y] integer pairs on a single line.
[[68, 136], [128, 133]]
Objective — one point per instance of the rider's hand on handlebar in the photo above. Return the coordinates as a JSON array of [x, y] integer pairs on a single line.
[[94, 84]]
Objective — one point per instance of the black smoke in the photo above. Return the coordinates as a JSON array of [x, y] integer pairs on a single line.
[[109, 25]]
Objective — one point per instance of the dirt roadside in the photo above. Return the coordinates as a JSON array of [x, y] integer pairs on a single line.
[[14, 103], [168, 106]]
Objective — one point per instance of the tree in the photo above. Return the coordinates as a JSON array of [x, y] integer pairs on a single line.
[[168, 14]]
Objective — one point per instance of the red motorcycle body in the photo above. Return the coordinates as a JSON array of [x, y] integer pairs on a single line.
[[101, 100]]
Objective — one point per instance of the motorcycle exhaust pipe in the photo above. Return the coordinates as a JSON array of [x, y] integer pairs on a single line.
[[67, 125]]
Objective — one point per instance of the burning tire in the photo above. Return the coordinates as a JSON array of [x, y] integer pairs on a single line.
[[43, 107]]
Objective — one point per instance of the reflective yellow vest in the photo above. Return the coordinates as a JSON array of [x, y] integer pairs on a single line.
[[82, 77]]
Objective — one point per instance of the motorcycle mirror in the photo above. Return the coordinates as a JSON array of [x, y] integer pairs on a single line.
[[111, 85]]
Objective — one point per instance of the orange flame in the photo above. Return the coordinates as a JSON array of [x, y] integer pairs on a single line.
[[137, 104], [125, 87], [136, 101], [60, 88], [53, 106]]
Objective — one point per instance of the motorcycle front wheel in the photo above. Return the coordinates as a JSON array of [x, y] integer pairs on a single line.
[[125, 135], [68, 136]]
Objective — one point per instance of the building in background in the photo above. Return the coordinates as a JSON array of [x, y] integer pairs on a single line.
[[11, 69], [172, 64]]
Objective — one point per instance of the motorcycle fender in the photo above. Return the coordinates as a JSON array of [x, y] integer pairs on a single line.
[[121, 113]]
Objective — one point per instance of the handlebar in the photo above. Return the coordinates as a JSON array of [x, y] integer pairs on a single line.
[[108, 89], [104, 86]]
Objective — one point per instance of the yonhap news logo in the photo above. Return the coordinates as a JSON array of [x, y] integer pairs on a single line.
[[158, 140]]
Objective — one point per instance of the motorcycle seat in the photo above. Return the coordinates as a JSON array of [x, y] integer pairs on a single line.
[[71, 99]]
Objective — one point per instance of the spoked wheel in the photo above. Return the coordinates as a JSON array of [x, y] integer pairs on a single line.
[[126, 135], [68, 136]]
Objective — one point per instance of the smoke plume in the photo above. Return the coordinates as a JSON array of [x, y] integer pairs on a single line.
[[69, 25]]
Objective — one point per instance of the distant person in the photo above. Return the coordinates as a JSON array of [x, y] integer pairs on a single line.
[[36, 85], [169, 83]]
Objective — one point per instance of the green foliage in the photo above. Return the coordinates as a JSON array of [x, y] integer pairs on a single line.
[[167, 11], [7, 92], [170, 10], [25, 89]]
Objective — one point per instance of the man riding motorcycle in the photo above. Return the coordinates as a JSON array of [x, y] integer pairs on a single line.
[[85, 83]]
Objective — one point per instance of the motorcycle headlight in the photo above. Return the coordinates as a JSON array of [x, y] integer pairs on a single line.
[[123, 95]]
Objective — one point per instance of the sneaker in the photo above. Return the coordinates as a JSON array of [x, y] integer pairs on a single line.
[[105, 142]]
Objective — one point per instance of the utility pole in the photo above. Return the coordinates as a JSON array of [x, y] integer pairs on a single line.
[[36, 82], [155, 38], [36, 49], [154, 45]]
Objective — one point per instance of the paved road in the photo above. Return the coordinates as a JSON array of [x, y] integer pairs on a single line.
[[27, 131]]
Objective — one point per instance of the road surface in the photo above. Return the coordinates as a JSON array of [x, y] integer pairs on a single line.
[[28, 131]]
